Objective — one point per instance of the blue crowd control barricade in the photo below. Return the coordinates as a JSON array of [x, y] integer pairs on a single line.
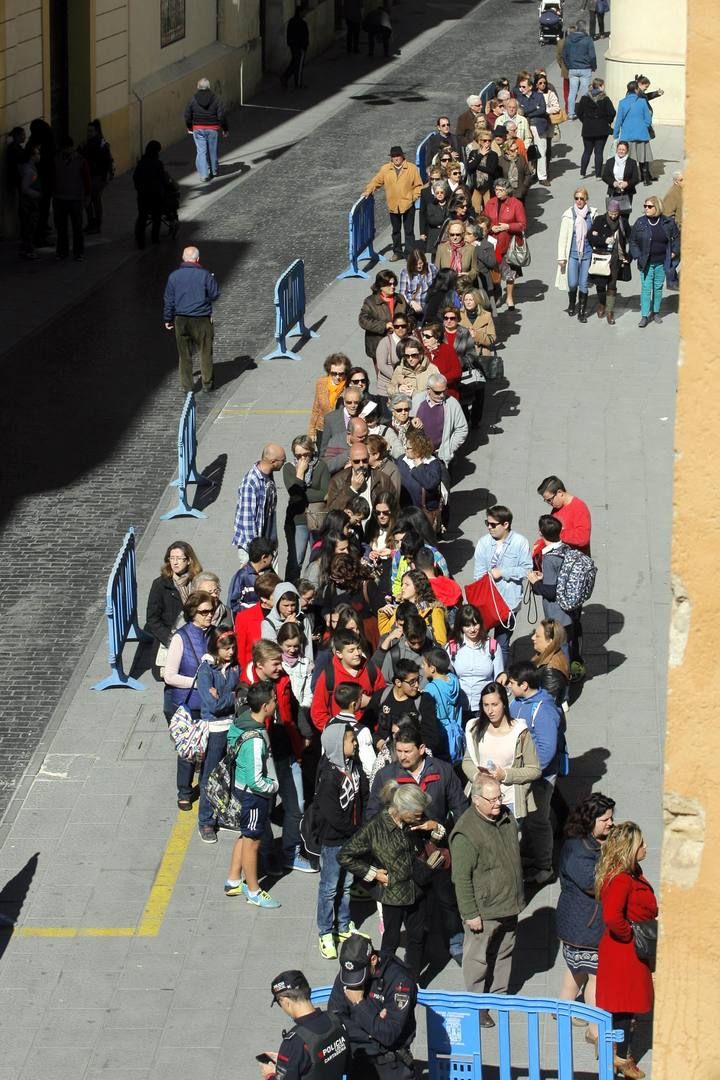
[[290, 310], [187, 471], [455, 1038], [121, 613], [487, 92], [420, 158], [361, 233]]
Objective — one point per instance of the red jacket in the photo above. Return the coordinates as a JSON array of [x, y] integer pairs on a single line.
[[447, 362], [624, 982], [324, 706], [508, 212], [247, 632], [282, 729]]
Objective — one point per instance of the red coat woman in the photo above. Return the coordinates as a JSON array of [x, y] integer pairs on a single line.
[[624, 981], [442, 355], [507, 219]]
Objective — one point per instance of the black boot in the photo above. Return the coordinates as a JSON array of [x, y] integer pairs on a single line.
[[645, 174], [582, 307], [573, 299]]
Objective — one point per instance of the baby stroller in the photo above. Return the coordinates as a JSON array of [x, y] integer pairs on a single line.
[[550, 21], [170, 206]]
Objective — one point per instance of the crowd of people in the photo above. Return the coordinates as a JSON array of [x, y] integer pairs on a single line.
[[385, 710]]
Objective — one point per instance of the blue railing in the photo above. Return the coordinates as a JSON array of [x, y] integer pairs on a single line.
[[121, 613], [361, 233], [455, 1038], [290, 310], [487, 92], [187, 472], [420, 159]]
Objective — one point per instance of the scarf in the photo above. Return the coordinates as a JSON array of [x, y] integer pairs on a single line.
[[334, 391], [290, 661], [182, 584], [513, 173], [456, 254], [581, 225], [619, 167]]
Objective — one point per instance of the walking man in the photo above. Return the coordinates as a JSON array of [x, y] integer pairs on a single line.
[[189, 296], [487, 874], [402, 183], [256, 512], [297, 37], [580, 60], [205, 120]]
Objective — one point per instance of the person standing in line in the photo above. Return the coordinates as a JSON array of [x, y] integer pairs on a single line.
[[96, 152], [297, 37], [72, 187], [534, 107], [581, 61], [205, 120], [488, 880], [570, 510], [655, 246], [256, 510], [29, 196], [505, 556], [189, 296], [402, 183]]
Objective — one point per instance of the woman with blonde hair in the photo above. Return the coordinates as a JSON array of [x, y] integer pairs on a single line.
[[624, 981], [655, 246], [574, 253], [550, 658]]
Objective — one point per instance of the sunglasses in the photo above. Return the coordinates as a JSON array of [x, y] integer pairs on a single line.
[[401, 408], [428, 334], [648, 206], [205, 611], [412, 355], [361, 461], [358, 382], [449, 318], [337, 374], [400, 325], [491, 524]]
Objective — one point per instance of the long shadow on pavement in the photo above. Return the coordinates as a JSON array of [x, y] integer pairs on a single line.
[[12, 899]]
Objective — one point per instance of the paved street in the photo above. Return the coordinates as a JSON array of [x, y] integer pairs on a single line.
[[127, 962]]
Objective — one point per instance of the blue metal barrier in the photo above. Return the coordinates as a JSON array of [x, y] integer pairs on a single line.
[[420, 158], [455, 1038], [487, 92], [290, 310], [361, 233], [187, 473], [121, 612]]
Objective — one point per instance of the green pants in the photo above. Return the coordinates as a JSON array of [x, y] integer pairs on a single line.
[[194, 330]]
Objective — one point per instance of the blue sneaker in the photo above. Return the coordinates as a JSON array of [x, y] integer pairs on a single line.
[[299, 862], [262, 899]]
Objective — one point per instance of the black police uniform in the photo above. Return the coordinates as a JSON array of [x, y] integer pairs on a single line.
[[317, 1047], [382, 1026]]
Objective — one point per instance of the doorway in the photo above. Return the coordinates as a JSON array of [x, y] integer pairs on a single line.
[[70, 75]]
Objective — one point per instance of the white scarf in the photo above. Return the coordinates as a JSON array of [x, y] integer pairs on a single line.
[[619, 167]]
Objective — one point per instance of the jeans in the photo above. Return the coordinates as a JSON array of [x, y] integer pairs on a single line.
[[652, 279], [298, 539], [577, 270], [579, 83], [334, 881], [541, 165], [69, 211], [405, 221], [290, 791], [194, 330], [206, 146], [590, 147], [185, 770], [216, 748], [502, 636]]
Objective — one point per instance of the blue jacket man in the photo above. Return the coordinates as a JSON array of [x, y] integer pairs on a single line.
[[579, 50], [187, 309]]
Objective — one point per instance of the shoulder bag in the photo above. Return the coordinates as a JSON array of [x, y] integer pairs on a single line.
[[492, 367], [315, 515], [518, 252], [645, 940], [600, 264], [189, 736]]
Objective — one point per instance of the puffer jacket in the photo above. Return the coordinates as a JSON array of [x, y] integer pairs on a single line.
[[205, 111], [578, 917], [381, 844]]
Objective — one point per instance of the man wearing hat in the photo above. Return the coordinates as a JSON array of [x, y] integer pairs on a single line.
[[375, 995], [403, 184], [316, 1046]]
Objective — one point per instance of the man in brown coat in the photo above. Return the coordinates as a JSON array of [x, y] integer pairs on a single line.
[[402, 183], [465, 126]]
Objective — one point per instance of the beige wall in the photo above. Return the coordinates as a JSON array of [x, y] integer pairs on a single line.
[[146, 55], [21, 62], [649, 37], [686, 1014]]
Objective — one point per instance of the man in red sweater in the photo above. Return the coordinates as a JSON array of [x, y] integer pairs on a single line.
[[576, 526], [249, 620], [348, 665]]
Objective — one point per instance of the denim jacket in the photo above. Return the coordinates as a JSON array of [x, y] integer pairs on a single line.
[[514, 561]]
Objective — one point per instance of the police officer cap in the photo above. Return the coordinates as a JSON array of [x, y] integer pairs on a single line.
[[355, 953], [288, 980]]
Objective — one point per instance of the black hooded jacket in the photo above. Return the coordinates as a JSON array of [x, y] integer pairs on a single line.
[[205, 111]]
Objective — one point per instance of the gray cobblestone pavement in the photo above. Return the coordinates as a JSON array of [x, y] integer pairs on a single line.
[[178, 981]]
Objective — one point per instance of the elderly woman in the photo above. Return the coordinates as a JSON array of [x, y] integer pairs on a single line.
[[421, 473], [379, 309], [386, 358], [515, 169], [622, 176], [507, 219], [188, 645], [442, 355], [578, 917], [306, 479], [413, 370], [655, 246], [328, 391], [609, 236], [207, 582], [401, 422], [434, 210], [465, 124], [382, 463], [574, 253], [168, 593], [632, 124], [597, 112], [415, 280]]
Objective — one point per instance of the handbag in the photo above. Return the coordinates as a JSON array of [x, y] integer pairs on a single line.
[[315, 515], [518, 252], [558, 117], [487, 598], [624, 200], [645, 940], [625, 271], [533, 153], [492, 367], [600, 264], [190, 736]]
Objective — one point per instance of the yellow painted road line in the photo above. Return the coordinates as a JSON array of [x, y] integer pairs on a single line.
[[242, 410], [158, 900]]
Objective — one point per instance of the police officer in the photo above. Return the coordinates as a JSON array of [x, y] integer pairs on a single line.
[[375, 996], [317, 1046]]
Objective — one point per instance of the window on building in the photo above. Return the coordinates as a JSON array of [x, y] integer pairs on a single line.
[[172, 21]]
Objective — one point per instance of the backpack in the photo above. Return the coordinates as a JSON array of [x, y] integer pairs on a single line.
[[220, 787], [576, 579], [453, 647]]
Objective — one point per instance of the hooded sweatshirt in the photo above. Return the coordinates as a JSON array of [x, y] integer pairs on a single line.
[[254, 765], [274, 620], [447, 695], [543, 718], [341, 791], [205, 111]]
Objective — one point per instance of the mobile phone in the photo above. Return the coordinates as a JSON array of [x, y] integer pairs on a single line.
[[264, 1059]]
